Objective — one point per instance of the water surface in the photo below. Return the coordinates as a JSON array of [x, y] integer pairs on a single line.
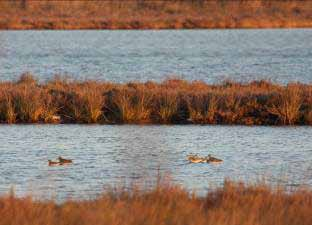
[[121, 155], [282, 55]]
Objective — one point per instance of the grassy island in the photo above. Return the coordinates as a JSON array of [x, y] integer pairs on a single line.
[[172, 101]]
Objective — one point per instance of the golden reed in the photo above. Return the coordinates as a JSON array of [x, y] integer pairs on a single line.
[[234, 204], [172, 101]]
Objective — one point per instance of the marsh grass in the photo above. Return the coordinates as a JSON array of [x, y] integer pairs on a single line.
[[166, 105], [287, 105], [172, 101], [202, 108], [129, 104], [161, 14], [233, 204]]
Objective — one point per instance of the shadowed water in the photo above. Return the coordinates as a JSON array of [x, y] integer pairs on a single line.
[[120, 155], [281, 55]]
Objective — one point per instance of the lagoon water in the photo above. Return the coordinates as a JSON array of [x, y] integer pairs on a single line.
[[281, 55], [122, 155], [106, 155]]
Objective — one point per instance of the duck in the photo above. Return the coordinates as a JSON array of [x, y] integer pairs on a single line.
[[195, 159], [211, 159], [64, 161], [53, 163]]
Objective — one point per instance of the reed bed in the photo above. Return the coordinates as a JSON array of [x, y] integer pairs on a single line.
[[233, 204], [172, 101], [149, 14]]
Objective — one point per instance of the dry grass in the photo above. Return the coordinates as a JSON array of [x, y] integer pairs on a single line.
[[169, 102], [234, 204], [148, 14], [287, 106]]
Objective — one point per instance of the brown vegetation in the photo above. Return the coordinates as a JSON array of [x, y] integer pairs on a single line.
[[149, 14], [172, 101], [234, 204]]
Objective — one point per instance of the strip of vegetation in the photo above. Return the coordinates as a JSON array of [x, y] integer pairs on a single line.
[[234, 204], [151, 14], [170, 102]]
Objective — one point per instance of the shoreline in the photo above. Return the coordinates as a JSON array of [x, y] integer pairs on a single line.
[[60, 27], [136, 14], [173, 101]]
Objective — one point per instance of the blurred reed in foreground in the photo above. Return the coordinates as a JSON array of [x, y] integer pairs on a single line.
[[172, 101], [234, 204]]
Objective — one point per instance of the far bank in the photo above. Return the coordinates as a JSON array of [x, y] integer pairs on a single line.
[[139, 14]]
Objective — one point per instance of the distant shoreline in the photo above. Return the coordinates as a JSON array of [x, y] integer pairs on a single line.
[[172, 101], [136, 14]]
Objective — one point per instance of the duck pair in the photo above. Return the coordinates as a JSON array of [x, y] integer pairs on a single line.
[[207, 159], [61, 161]]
